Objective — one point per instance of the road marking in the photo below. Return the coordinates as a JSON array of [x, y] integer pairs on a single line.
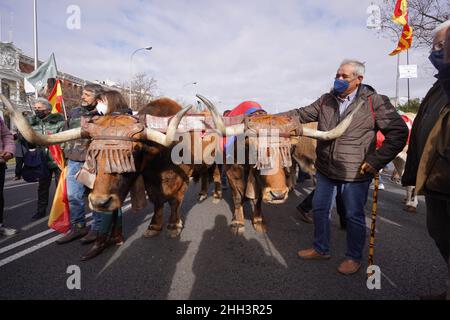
[[25, 241], [26, 201], [39, 235], [29, 250], [390, 222], [20, 185], [32, 238], [38, 246]]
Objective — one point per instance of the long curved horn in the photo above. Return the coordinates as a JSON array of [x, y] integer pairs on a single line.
[[234, 130], [36, 138], [168, 138], [336, 132]]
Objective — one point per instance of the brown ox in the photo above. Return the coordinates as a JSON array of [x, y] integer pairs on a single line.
[[121, 149], [270, 187]]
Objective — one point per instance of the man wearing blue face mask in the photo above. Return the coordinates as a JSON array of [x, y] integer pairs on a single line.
[[428, 161], [346, 165]]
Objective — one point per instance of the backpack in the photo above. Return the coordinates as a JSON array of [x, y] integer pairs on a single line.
[[34, 165]]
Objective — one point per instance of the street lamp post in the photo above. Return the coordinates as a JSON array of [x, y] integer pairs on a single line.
[[131, 66]]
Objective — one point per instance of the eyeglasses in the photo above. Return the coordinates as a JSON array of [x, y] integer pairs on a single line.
[[438, 46]]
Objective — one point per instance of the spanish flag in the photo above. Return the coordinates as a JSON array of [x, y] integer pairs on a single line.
[[59, 218], [400, 16], [56, 98]]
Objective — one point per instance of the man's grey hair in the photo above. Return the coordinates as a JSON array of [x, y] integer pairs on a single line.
[[96, 89], [44, 102], [360, 68], [442, 26]]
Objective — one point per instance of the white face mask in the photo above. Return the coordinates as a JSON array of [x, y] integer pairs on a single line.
[[102, 108]]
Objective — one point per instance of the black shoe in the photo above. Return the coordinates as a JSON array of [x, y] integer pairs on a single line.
[[77, 231], [89, 238], [305, 216], [37, 216], [100, 244]]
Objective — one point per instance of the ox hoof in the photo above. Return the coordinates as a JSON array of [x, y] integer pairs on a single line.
[[410, 209], [202, 197], [149, 233], [237, 229], [173, 233], [216, 200], [260, 227]]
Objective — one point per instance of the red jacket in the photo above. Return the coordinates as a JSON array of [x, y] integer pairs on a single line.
[[380, 136]]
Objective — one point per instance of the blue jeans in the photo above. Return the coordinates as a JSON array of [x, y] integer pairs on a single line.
[[75, 193], [354, 198]]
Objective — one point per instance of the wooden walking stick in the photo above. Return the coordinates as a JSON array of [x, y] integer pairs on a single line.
[[374, 221]]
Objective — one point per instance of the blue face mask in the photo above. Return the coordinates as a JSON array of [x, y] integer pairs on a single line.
[[340, 86], [437, 59]]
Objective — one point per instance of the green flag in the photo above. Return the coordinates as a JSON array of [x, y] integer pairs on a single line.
[[38, 78]]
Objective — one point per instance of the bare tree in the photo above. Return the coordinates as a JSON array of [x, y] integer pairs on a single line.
[[424, 16], [143, 90]]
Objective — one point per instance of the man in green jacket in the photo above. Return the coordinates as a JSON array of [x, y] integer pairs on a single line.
[[46, 122]]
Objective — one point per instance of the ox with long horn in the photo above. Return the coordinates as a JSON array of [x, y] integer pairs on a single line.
[[73, 134], [239, 129]]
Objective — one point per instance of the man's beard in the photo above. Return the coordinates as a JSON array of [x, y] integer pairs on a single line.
[[87, 106]]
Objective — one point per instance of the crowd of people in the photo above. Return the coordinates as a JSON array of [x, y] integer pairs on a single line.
[[345, 166]]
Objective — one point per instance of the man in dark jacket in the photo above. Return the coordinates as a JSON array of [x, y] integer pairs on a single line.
[[428, 161], [75, 152], [347, 165], [46, 122]]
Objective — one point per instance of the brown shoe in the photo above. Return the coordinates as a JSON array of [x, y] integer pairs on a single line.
[[89, 238], [349, 266], [99, 245], [305, 216], [312, 254], [77, 231]]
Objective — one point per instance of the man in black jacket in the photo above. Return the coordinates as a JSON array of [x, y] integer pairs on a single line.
[[432, 122]]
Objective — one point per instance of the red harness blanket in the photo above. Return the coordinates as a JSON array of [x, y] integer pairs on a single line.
[[380, 136]]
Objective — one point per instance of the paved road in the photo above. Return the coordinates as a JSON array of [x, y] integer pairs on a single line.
[[208, 262]]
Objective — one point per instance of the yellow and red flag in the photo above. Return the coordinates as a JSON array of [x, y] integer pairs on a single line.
[[404, 43], [400, 16], [56, 98], [59, 218]]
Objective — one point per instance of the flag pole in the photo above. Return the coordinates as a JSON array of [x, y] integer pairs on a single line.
[[407, 62], [35, 39], [397, 81]]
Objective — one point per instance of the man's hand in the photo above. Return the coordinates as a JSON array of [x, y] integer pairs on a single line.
[[367, 168], [447, 46]]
